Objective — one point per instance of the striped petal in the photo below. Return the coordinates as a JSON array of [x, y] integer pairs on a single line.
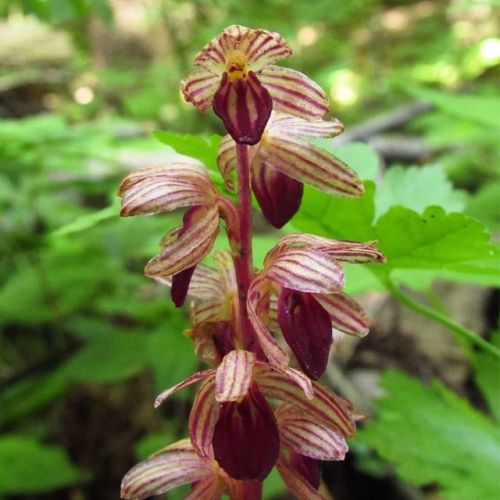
[[209, 310], [227, 161], [309, 164], [260, 48], [296, 483], [298, 127], [345, 313], [294, 376], [199, 89], [205, 283], [181, 385], [294, 93], [353, 252], [244, 106], [257, 305], [161, 473], [188, 249], [305, 270], [325, 407], [161, 189], [234, 376], [279, 196], [210, 487], [304, 435], [202, 419]]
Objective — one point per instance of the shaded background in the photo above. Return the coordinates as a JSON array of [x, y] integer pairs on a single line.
[[87, 341]]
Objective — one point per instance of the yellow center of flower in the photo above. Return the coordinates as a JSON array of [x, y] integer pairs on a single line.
[[236, 65]]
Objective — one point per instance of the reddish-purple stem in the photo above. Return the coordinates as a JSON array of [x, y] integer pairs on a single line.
[[243, 260]]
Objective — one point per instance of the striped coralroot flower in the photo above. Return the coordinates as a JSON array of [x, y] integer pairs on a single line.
[[237, 79], [253, 411], [303, 275], [284, 159], [237, 436]]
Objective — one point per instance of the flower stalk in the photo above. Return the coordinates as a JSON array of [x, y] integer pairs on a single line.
[[243, 262], [253, 410]]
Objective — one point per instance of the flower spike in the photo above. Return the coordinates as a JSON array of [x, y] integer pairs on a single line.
[[252, 411]]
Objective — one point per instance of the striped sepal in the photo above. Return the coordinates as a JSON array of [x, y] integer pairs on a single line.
[[296, 483], [244, 106], [234, 376], [311, 165], [227, 161], [161, 473], [181, 385], [345, 313], [209, 488], [260, 47], [279, 196], [325, 407], [293, 125], [210, 310], [305, 270], [199, 88], [225, 264], [257, 305], [161, 189], [345, 251], [295, 376], [294, 93], [299, 432], [202, 419], [205, 283], [188, 249]]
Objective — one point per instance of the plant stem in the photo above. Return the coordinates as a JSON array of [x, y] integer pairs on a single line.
[[243, 259], [439, 317]]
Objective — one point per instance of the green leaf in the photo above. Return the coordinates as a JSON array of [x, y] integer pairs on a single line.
[[487, 376], [479, 109], [341, 218], [201, 148], [108, 359], [435, 239], [417, 188], [359, 156], [27, 466], [90, 220], [484, 206], [430, 435]]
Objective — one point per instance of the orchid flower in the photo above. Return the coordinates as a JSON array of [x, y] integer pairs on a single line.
[[237, 78], [165, 188], [302, 271], [213, 308], [284, 159], [232, 423]]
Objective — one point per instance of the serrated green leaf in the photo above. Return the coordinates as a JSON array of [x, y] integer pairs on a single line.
[[431, 436], [417, 188], [28, 466], [341, 218], [435, 239], [201, 148]]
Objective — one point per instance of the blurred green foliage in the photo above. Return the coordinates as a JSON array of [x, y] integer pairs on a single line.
[[77, 315]]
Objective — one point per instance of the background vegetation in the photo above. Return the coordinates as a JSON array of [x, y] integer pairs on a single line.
[[86, 341]]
